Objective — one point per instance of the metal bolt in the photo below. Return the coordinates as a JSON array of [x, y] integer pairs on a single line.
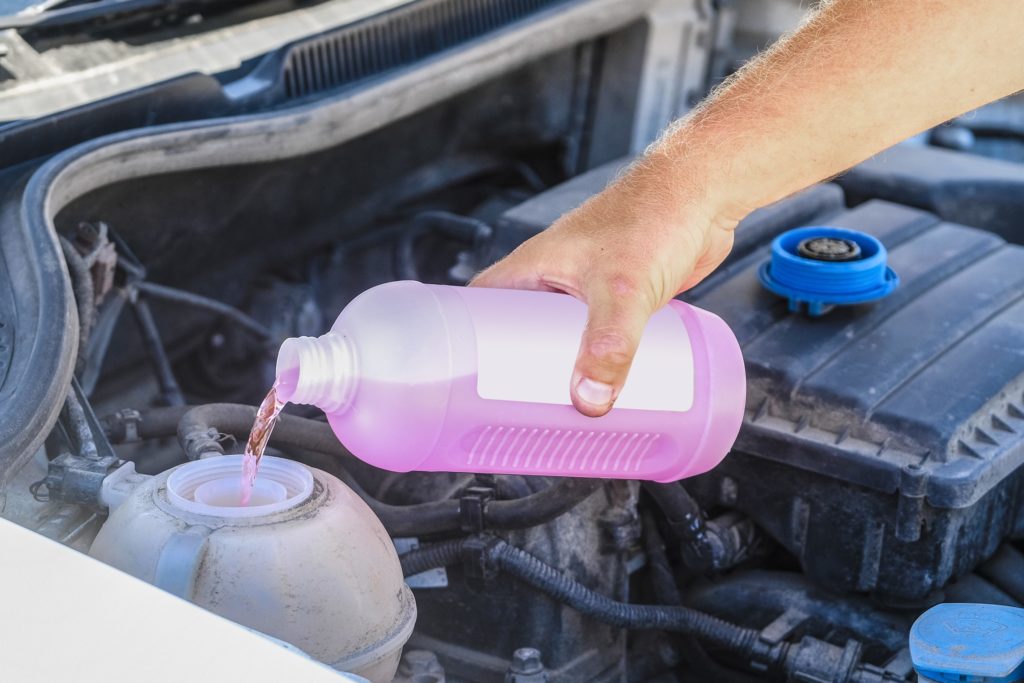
[[526, 660], [420, 666], [526, 667]]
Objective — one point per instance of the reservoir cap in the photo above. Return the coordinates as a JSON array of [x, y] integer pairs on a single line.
[[958, 642], [819, 267]]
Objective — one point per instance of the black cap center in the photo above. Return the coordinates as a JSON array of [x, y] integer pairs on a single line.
[[828, 249]]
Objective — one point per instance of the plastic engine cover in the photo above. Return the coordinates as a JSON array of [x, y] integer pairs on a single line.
[[882, 441]]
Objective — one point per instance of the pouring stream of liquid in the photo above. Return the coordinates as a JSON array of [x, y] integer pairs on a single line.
[[266, 418]]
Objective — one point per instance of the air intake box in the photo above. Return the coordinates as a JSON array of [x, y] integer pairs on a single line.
[[882, 443]]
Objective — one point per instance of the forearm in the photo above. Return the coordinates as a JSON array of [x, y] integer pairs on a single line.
[[859, 76]]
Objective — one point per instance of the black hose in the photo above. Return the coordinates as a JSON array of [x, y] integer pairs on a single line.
[[443, 554], [199, 427], [79, 423], [419, 519], [154, 423], [444, 516], [662, 581], [686, 519], [169, 388], [541, 507], [180, 296], [85, 298], [666, 592], [715, 545], [461, 227], [1006, 570], [545, 578]]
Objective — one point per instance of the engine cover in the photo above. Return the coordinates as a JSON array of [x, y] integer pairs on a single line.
[[882, 442]]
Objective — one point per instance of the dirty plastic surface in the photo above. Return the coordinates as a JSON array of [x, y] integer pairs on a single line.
[[900, 422], [269, 565]]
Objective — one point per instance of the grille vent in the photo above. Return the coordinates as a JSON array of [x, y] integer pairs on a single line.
[[397, 38]]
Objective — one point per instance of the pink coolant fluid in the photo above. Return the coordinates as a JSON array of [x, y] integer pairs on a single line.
[[263, 425], [456, 379]]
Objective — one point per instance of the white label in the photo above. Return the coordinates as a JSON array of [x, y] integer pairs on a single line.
[[527, 344]]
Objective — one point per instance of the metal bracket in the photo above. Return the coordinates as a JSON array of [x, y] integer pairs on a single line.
[[86, 456]]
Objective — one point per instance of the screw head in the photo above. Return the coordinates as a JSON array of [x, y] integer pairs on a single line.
[[526, 660], [418, 662]]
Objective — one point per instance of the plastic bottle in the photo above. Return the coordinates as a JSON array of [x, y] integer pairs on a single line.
[[456, 379]]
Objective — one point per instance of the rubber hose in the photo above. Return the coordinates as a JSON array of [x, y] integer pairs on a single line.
[[443, 554], [420, 519], [154, 423], [1006, 570], [85, 300], [170, 390], [687, 520], [534, 572], [199, 427], [663, 582], [180, 296], [460, 227], [443, 516], [160, 422]]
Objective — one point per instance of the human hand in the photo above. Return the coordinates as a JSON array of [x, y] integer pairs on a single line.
[[625, 253]]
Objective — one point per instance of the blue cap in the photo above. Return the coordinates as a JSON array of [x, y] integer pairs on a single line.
[[958, 642], [822, 267]]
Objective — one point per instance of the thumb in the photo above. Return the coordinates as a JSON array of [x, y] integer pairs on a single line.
[[615, 323]]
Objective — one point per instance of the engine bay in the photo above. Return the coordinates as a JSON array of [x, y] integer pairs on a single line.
[[152, 274]]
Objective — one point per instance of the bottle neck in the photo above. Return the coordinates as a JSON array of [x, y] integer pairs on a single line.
[[318, 371]]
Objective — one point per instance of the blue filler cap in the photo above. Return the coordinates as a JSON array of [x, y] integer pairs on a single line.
[[962, 642], [822, 267]]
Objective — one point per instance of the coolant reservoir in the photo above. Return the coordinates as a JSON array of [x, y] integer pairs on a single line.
[[306, 561]]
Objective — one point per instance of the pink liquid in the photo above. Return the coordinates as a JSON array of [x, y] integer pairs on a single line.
[[266, 418], [446, 427], [484, 387]]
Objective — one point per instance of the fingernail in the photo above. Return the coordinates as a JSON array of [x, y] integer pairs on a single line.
[[595, 393]]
